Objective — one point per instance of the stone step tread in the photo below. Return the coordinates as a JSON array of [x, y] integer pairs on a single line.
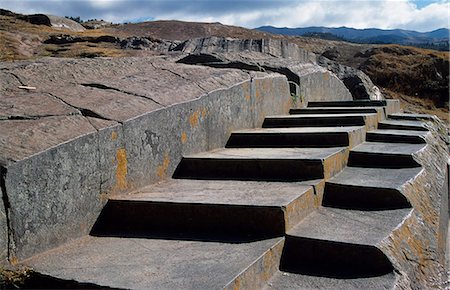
[[411, 116], [318, 116], [283, 280], [349, 226], [399, 132], [130, 263], [301, 130], [375, 177], [389, 148], [268, 153], [248, 193], [404, 122]]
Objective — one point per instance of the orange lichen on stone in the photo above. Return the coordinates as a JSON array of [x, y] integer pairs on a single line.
[[114, 135], [183, 137], [326, 76], [121, 170], [162, 169], [193, 119], [204, 113]]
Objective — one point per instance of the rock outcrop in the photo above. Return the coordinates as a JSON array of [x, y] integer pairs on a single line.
[[309, 81], [358, 83]]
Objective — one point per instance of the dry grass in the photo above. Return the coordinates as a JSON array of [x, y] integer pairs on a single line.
[[413, 104]]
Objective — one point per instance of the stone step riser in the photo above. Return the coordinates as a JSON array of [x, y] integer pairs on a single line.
[[379, 160], [277, 140], [411, 117], [348, 104], [336, 111], [250, 169], [401, 127], [314, 122], [257, 275], [393, 138], [363, 198], [140, 219], [332, 259]]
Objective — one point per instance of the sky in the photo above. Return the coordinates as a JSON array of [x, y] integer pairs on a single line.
[[419, 15]]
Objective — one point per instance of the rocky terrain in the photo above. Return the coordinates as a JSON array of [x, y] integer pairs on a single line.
[[418, 77]]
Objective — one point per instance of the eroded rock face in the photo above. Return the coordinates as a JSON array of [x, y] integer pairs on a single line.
[[417, 247], [357, 82], [309, 81], [270, 47]]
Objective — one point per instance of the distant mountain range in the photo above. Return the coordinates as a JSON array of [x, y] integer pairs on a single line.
[[437, 39]]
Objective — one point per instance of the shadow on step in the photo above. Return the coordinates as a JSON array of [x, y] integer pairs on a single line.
[[333, 259], [363, 198], [189, 221], [40, 281]]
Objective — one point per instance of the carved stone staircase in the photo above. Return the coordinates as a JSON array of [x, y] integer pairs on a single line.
[[303, 203]]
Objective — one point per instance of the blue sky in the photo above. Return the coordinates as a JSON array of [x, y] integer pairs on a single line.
[[420, 15]]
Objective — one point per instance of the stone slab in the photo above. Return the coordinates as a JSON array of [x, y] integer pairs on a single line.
[[411, 117], [322, 120], [397, 136], [20, 139], [269, 153], [403, 125], [201, 208], [152, 264], [389, 148], [375, 177], [249, 193], [298, 137], [349, 226]]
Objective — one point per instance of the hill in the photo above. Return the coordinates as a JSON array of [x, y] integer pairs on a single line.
[[437, 39]]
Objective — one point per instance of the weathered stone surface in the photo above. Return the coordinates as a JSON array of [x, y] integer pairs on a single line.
[[357, 82], [312, 82], [3, 229], [163, 264], [272, 47], [417, 246], [31, 105], [54, 196]]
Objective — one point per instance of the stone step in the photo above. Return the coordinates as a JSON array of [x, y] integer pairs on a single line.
[[369, 188], [264, 164], [298, 137], [384, 155], [402, 125], [207, 209], [341, 243], [128, 263], [410, 117], [397, 136], [284, 280], [356, 103], [335, 110], [322, 120]]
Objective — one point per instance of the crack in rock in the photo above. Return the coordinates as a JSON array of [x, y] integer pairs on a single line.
[[7, 207], [180, 76], [104, 87]]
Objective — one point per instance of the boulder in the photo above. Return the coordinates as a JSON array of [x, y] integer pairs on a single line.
[[54, 21]]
